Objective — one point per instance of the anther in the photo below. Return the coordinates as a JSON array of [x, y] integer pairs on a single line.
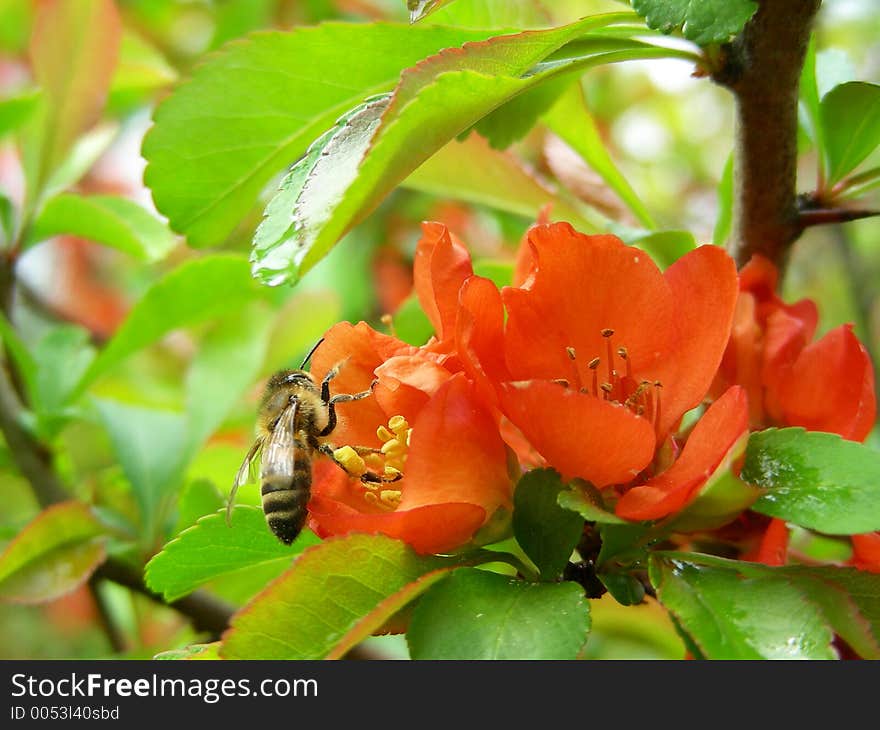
[[607, 332], [560, 381], [384, 434], [621, 351], [390, 497], [388, 321], [571, 352], [398, 424], [594, 363], [607, 388]]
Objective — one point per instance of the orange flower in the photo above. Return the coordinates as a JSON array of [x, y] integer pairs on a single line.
[[600, 356], [429, 424], [826, 385]]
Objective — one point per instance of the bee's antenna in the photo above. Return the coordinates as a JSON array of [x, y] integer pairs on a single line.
[[311, 352]]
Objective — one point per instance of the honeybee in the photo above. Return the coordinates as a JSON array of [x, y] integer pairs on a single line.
[[295, 419]]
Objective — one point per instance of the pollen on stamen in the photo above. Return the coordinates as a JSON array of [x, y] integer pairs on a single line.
[[390, 497]]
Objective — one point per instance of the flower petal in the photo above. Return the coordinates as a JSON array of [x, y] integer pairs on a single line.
[[360, 350], [830, 387], [440, 267], [866, 552], [704, 289], [726, 420], [578, 434], [583, 285], [456, 453], [406, 383], [435, 528], [479, 334], [773, 548]]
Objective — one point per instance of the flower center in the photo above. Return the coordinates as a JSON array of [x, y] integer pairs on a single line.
[[642, 397], [376, 468]]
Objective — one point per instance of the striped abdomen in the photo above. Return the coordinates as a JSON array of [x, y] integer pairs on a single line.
[[285, 488]]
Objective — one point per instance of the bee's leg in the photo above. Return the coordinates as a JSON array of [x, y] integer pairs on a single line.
[[367, 476], [341, 398]]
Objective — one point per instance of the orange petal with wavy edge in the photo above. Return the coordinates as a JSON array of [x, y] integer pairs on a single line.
[[866, 552], [479, 334], [406, 383], [830, 387], [726, 420], [584, 284], [440, 266], [361, 350], [435, 528], [456, 453], [704, 289], [579, 435]]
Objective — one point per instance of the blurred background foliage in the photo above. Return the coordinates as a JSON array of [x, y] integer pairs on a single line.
[[668, 132]]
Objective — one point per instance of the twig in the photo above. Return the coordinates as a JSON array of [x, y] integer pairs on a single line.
[[762, 68], [206, 612], [115, 635]]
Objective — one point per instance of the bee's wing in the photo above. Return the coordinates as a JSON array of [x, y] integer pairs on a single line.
[[278, 451], [243, 476]]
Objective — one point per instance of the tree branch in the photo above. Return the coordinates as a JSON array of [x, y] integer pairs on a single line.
[[762, 68]]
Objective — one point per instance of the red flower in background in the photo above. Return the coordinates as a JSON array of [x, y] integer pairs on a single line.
[[600, 356], [826, 385]]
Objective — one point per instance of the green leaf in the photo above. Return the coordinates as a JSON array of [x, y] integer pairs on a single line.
[[824, 600], [16, 110], [583, 498], [571, 121], [815, 480], [665, 247], [228, 361], [419, 9], [500, 273], [115, 222], [491, 14], [850, 115], [473, 172], [411, 324], [325, 595], [211, 549], [62, 355], [203, 178], [74, 47], [732, 616], [702, 21], [198, 498], [377, 145], [141, 71], [151, 447], [475, 614], [192, 652], [626, 589], [54, 554], [724, 222], [195, 291], [622, 545], [385, 610], [546, 532]]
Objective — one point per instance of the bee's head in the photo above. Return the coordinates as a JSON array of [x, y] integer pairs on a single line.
[[287, 378]]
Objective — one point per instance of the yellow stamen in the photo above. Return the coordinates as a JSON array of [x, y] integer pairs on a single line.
[[390, 497], [384, 434], [398, 424]]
